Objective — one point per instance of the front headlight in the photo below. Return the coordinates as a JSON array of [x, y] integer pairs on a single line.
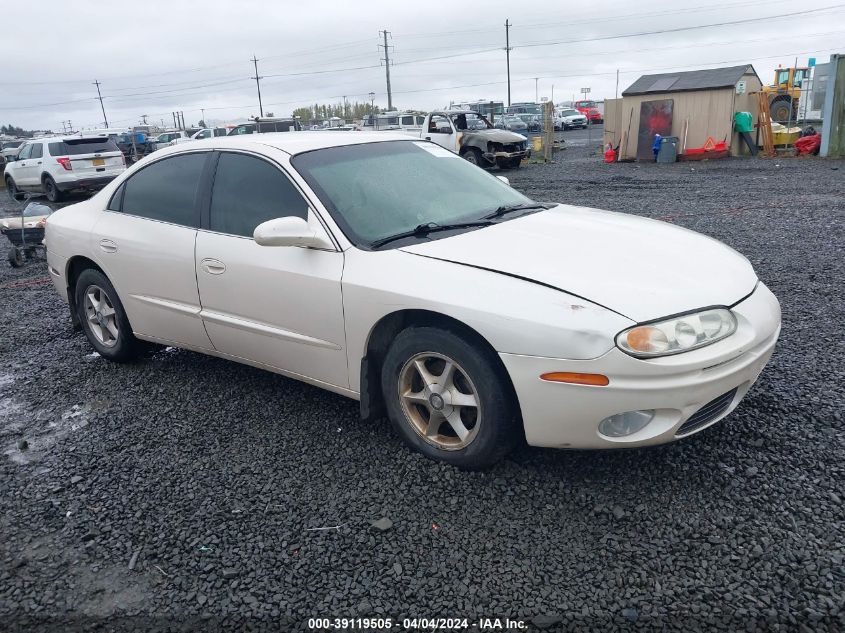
[[678, 334]]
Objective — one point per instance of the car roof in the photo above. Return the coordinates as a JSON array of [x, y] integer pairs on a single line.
[[291, 142]]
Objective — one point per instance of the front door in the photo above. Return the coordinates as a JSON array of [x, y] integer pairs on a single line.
[[27, 167], [145, 244], [277, 306]]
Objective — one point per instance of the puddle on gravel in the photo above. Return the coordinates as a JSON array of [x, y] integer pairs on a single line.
[[40, 429]]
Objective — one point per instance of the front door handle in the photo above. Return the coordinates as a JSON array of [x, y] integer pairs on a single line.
[[428, 138], [213, 266], [108, 246]]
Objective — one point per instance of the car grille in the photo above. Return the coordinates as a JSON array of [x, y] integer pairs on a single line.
[[707, 413], [512, 147]]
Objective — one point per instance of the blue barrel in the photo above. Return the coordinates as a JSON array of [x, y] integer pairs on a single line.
[[140, 138]]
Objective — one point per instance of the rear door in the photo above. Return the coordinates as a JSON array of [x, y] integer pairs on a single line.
[[145, 244], [93, 157]]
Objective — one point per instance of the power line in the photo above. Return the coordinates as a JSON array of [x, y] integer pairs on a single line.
[[681, 28]]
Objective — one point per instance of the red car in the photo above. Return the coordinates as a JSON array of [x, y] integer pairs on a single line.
[[589, 109]]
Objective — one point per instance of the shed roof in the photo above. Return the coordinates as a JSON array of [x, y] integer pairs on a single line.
[[707, 79]]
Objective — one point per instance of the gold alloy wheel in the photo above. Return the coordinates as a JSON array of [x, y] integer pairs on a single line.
[[439, 401]]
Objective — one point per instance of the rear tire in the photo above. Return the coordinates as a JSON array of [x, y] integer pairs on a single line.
[[12, 189], [448, 399], [52, 191], [103, 318]]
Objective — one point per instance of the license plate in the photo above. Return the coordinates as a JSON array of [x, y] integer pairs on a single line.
[[99, 162]]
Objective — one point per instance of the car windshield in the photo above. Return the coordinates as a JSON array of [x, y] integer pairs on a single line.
[[377, 190], [570, 113]]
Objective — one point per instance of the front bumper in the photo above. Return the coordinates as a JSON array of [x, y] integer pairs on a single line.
[[494, 156], [676, 387]]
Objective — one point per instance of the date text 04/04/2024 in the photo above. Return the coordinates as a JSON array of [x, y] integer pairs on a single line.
[[386, 624]]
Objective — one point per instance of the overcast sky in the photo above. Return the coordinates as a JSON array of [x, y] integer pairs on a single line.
[[153, 57]]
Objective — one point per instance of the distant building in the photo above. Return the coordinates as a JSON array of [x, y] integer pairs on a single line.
[[701, 105]]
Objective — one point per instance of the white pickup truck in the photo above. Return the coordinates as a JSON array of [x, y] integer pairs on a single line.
[[473, 137]]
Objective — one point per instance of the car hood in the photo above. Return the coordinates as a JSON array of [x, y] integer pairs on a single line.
[[496, 135], [640, 268]]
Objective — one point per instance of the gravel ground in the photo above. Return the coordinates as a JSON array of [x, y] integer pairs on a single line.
[[190, 493]]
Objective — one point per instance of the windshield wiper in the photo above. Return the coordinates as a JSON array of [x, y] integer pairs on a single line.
[[422, 230], [507, 208]]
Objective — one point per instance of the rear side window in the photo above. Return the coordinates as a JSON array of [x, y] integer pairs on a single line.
[[37, 151], [248, 191], [166, 190]]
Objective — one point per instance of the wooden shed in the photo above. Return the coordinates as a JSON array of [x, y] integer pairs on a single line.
[[693, 106]]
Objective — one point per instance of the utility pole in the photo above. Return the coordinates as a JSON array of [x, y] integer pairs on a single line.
[[257, 84], [617, 84], [144, 117], [386, 61], [203, 117], [508, 57], [102, 107], [536, 89]]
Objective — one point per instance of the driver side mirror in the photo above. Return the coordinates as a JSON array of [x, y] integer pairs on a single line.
[[289, 231]]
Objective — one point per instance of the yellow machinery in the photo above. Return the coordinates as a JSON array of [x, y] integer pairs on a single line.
[[785, 93]]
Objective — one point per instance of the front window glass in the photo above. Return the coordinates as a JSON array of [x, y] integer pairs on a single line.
[[470, 121], [25, 152], [376, 190], [248, 191]]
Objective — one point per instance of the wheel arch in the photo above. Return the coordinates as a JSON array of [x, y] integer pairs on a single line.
[[385, 330], [73, 269]]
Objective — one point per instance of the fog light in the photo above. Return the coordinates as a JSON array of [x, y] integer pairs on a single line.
[[623, 424]]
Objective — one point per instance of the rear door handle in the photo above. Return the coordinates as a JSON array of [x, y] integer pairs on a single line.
[[108, 246], [213, 266]]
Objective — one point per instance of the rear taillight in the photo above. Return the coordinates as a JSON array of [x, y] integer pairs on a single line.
[[64, 161]]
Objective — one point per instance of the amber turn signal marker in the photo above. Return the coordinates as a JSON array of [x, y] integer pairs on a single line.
[[575, 378]]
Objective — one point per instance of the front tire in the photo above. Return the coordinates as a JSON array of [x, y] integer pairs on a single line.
[[103, 318], [473, 156], [447, 398], [52, 190]]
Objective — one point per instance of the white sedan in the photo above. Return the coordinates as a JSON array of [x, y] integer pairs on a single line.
[[391, 271]]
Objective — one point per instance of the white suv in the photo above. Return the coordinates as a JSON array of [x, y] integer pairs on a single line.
[[60, 164]]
